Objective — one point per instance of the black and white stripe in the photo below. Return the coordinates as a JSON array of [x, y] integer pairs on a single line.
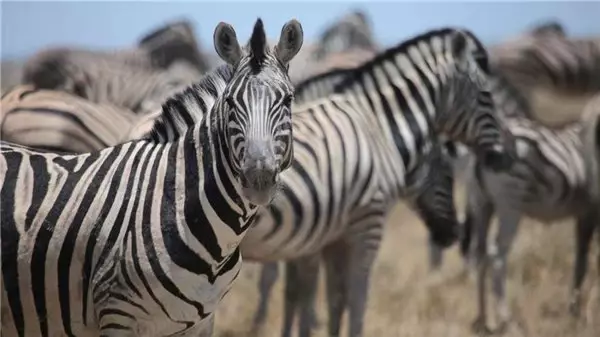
[[61, 122], [142, 238], [429, 191], [546, 57], [107, 78], [352, 152]]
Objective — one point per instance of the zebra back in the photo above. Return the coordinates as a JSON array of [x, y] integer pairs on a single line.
[[546, 58], [58, 121]]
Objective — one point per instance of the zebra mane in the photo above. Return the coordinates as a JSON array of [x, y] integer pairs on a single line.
[[187, 108], [403, 47], [258, 46], [308, 82]]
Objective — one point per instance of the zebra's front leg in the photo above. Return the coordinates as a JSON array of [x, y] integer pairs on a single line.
[[481, 216], [586, 224], [362, 253], [509, 219], [436, 256], [268, 276]]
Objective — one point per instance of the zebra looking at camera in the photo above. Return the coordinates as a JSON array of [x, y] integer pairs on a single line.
[[142, 238], [352, 151]]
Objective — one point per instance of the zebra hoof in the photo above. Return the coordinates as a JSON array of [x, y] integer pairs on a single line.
[[575, 309], [480, 328]]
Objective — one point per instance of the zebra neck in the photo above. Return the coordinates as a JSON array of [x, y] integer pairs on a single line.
[[212, 205]]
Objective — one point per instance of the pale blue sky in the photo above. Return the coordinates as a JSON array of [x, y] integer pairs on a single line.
[[28, 26]]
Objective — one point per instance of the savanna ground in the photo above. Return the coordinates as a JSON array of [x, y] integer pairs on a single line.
[[407, 300]]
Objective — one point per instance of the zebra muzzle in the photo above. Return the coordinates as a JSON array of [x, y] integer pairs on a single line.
[[259, 176]]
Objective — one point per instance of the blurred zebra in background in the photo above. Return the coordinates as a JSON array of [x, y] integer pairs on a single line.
[[346, 43], [166, 61], [318, 213], [82, 101], [60, 122], [549, 181], [546, 57], [429, 192]]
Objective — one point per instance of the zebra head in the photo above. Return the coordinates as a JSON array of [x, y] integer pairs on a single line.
[[467, 111], [257, 106], [433, 200]]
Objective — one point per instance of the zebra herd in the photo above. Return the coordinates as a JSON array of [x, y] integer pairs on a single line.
[[134, 182]]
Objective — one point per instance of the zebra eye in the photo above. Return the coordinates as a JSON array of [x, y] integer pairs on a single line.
[[288, 100], [230, 102]]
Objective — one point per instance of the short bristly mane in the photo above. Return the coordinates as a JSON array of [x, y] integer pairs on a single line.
[[258, 46], [189, 107], [402, 48]]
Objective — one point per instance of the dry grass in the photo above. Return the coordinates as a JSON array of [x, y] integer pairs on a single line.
[[406, 300]]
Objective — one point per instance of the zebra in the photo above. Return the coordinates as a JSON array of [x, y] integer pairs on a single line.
[[346, 43], [509, 103], [150, 244], [351, 155], [106, 78], [352, 31], [429, 194], [545, 57], [174, 42], [548, 182], [60, 122]]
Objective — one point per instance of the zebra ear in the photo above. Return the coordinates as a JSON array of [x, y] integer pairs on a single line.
[[458, 45], [290, 42], [226, 44]]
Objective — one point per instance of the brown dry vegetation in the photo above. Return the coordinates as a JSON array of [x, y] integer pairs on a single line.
[[406, 300]]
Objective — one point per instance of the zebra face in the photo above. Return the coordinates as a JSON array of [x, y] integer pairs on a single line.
[[470, 113], [260, 134], [258, 107]]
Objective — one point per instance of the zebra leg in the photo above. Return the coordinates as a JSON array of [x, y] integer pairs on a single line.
[[481, 217], [585, 230], [291, 298], [268, 277], [305, 272], [435, 256], [335, 257], [362, 253], [509, 219]]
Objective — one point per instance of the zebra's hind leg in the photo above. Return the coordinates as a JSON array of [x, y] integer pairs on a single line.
[[335, 257], [301, 288], [268, 276], [362, 253], [585, 227], [509, 219]]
